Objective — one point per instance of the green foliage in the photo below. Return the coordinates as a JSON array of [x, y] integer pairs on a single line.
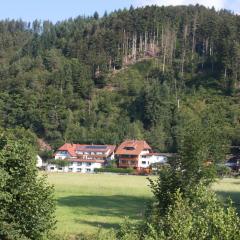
[[79, 80], [114, 170], [199, 216], [223, 171], [27, 205]]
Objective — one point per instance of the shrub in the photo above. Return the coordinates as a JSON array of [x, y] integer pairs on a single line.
[[114, 170], [26, 200], [223, 171]]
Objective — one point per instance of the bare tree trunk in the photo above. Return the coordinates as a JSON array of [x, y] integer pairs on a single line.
[[134, 47], [203, 53], [194, 35], [145, 42], [184, 49], [141, 45]]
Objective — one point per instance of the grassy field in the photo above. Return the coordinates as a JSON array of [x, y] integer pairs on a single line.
[[86, 202]]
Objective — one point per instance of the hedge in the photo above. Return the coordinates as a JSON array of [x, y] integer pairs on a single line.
[[114, 170]]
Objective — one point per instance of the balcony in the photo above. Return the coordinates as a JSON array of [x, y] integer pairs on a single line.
[[121, 165], [128, 164], [128, 158]]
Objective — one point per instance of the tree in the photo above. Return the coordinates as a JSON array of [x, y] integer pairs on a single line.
[[200, 147], [199, 216], [96, 16], [27, 201]]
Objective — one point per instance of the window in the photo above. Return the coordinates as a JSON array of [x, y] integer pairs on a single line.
[[79, 164], [70, 169], [144, 156], [143, 162], [89, 164], [129, 148], [60, 168], [79, 169], [88, 170], [52, 168]]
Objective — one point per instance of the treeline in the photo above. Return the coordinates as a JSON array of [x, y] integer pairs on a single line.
[[137, 73]]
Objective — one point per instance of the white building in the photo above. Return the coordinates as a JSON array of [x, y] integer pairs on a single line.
[[39, 162], [151, 159], [137, 154], [82, 158]]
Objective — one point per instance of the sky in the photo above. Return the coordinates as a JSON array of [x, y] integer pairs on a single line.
[[56, 10]]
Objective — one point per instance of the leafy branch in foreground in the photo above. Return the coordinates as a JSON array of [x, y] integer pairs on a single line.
[[26, 200]]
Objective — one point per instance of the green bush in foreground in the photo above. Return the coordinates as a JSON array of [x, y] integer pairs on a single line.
[[26, 200], [114, 170], [199, 216]]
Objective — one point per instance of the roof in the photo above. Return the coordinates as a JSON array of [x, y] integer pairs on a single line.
[[72, 148], [161, 154], [132, 147], [154, 154], [85, 160]]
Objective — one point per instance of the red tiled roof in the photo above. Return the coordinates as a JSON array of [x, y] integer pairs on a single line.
[[72, 148], [85, 160], [137, 147]]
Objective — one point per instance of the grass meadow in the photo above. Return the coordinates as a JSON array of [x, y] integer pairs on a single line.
[[86, 202]]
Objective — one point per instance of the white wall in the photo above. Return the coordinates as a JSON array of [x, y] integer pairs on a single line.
[[150, 159], [82, 167], [61, 155], [39, 161]]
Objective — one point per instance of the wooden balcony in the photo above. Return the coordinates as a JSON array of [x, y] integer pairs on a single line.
[[127, 165], [132, 164], [128, 159]]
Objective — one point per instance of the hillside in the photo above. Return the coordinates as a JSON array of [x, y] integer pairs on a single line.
[[137, 73]]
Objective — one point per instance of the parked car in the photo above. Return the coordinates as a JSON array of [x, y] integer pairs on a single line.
[[233, 163]]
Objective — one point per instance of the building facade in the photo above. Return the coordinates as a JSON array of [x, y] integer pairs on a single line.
[[137, 154], [82, 158]]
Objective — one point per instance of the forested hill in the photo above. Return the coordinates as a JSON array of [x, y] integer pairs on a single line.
[[137, 73]]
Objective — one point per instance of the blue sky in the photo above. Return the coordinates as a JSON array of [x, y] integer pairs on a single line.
[[55, 10]]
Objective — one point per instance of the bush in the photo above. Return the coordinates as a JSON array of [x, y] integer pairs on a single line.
[[199, 216], [114, 170], [223, 171], [26, 200]]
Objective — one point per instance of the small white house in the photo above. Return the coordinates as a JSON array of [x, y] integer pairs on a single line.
[[76, 167], [151, 158], [39, 162]]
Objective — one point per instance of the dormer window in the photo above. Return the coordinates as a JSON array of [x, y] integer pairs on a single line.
[[129, 148]]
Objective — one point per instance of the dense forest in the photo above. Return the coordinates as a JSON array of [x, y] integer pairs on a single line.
[[133, 73]]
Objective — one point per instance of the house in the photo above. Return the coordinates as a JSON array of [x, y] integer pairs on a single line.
[[39, 162], [82, 158], [137, 154]]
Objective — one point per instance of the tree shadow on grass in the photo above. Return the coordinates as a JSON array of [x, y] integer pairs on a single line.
[[234, 196], [108, 206], [98, 224]]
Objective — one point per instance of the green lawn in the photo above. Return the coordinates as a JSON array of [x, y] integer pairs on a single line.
[[88, 201]]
